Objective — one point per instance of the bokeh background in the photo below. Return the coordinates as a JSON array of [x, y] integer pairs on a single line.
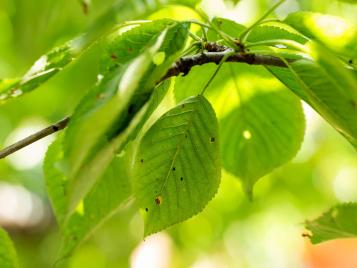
[[231, 231]]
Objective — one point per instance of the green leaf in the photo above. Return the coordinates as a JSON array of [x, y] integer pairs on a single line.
[[43, 69], [226, 26], [55, 178], [131, 87], [257, 34], [262, 133], [328, 87], [8, 258], [339, 222], [334, 32], [271, 32], [177, 166], [107, 195]]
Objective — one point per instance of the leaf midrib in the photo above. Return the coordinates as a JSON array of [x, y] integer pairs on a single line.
[[179, 146]]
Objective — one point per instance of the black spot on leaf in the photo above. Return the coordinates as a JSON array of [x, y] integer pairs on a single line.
[[213, 139]]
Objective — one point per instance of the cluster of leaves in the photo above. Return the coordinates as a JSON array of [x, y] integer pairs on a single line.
[[112, 153]]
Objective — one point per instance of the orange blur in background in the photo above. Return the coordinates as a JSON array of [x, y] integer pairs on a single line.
[[340, 253]]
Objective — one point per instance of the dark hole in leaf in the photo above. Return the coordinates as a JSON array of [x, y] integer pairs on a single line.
[[173, 168], [350, 61], [142, 160], [181, 179], [146, 209], [213, 139]]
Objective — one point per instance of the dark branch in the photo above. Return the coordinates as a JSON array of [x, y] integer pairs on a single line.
[[185, 64], [182, 66], [34, 137]]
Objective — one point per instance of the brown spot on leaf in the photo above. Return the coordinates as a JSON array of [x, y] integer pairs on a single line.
[[158, 200]]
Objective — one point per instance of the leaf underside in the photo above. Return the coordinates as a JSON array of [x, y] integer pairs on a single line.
[[177, 166]]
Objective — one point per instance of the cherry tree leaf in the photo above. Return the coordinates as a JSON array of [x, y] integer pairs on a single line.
[[177, 166]]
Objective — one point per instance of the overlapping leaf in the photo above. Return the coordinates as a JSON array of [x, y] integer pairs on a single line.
[[177, 167], [257, 34], [107, 195], [262, 133], [128, 87], [329, 87], [339, 222], [334, 32], [112, 189], [54, 61]]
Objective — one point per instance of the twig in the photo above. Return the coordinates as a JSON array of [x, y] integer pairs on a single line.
[[183, 65], [34, 137]]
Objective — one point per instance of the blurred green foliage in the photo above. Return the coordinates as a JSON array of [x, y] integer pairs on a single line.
[[231, 231]]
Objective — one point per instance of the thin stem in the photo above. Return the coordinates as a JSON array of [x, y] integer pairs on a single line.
[[194, 37], [202, 24], [243, 35], [223, 60], [34, 137]]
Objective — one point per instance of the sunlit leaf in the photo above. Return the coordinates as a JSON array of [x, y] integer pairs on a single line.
[[271, 32], [339, 222], [177, 166], [130, 88], [257, 34], [334, 32], [111, 190], [262, 133], [8, 258], [227, 26], [329, 87]]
